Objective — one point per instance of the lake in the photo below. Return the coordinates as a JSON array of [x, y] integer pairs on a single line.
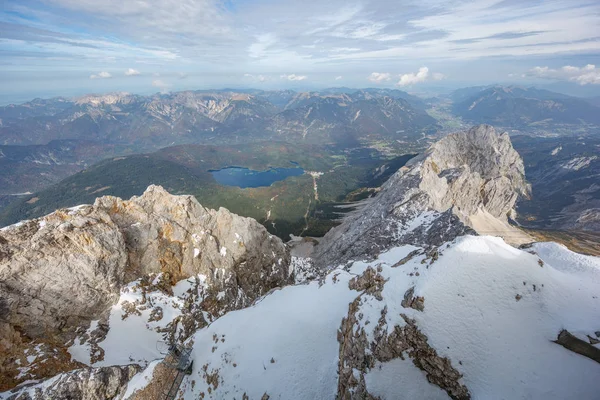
[[245, 177]]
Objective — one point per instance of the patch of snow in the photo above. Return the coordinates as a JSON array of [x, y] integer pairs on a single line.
[[73, 210], [423, 219], [31, 390], [196, 252], [141, 379], [579, 163], [134, 338], [556, 150], [223, 251], [389, 379], [562, 259]]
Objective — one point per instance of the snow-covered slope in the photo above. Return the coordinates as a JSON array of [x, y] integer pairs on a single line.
[[406, 301], [492, 310]]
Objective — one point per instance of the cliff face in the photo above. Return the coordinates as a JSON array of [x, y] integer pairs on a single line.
[[61, 271], [467, 181]]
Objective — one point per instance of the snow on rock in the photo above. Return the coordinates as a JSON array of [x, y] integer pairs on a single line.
[[146, 317], [472, 318], [303, 269], [85, 383], [140, 380], [135, 328], [578, 163]]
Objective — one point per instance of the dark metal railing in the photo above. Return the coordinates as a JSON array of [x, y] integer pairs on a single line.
[[179, 359]]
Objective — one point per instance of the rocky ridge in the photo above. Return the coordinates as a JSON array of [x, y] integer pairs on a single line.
[[461, 180], [99, 248]]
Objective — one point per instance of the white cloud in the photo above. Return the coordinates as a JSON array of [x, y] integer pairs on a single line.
[[101, 75], [588, 74], [294, 77], [132, 72], [258, 78], [379, 77], [162, 85], [423, 75], [344, 49], [337, 78]]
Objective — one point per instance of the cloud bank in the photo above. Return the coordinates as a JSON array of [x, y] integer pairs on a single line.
[[586, 75]]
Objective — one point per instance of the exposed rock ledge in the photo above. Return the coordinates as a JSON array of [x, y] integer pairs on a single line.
[[61, 271]]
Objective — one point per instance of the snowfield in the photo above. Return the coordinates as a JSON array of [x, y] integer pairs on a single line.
[[493, 310]]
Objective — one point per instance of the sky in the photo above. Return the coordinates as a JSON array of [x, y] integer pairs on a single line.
[[73, 47]]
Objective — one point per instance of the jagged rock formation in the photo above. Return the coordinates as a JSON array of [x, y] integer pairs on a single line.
[[467, 180], [83, 384], [94, 250]]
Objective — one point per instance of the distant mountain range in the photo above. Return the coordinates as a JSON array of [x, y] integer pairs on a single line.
[[521, 107], [44, 141], [151, 122], [565, 178]]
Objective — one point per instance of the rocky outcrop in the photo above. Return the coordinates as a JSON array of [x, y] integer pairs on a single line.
[[83, 384], [63, 270], [468, 180], [363, 347], [472, 170]]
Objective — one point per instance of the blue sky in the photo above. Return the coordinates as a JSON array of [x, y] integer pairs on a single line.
[[71, 47]]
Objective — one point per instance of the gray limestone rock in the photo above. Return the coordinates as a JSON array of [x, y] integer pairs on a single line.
[[83, 384], [434, 198], [63, 270]]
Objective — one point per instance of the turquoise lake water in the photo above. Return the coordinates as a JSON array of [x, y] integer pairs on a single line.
[[245, 177]]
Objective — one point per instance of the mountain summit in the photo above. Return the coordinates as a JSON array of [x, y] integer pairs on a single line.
[[411, 297], [467, 180]]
